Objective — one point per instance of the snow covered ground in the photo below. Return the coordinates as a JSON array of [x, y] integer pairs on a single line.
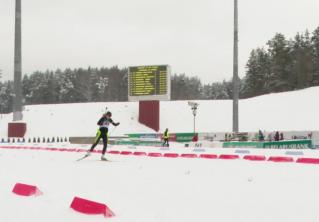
[[147, 189], [289, 111], [159, 189]]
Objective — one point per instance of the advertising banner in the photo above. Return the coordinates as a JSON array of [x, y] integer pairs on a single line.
[[291, 144]]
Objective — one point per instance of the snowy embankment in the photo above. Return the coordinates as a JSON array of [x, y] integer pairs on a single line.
[[161, 189], [289, 111], [158, 189]]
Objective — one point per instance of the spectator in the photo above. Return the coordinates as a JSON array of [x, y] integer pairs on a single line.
[[281, 136], [261, 136], [310, 135], [277, 137], [166, 138]]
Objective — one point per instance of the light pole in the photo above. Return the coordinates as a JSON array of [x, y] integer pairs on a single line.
[[194, 107], [17, 99], [0, 93], [235, 71]]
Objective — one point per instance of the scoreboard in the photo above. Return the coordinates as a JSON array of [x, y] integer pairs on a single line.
[[149, 83]]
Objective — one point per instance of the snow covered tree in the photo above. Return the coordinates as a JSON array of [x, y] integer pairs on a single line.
[[67, 91], [315, 46], [185, 88], [302, 61], [6, 97], [178, 85], [257, 73], [219, 91], [279, 52]]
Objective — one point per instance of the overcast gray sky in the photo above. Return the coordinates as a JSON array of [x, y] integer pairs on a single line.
[[193, 36]]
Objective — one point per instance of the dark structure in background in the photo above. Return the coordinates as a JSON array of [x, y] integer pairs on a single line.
[[149, 114], [17, 99], [235, 71]]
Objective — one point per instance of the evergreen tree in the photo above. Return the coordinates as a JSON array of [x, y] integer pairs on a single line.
[[257, 79], [36, 88], [185, 88], [302, 61], [6, 97], [279, 52], [178, 86], [67, 91], [315, 46], [219, 91]]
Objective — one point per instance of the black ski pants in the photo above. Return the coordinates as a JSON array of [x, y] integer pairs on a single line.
[[101, 133]]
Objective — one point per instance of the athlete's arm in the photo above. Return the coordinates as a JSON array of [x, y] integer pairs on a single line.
[[100, 121], [114, 124]]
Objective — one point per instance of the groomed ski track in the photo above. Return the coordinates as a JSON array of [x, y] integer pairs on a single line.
[[143, 188]]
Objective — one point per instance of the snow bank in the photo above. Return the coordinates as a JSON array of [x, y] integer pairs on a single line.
[[289, 111]]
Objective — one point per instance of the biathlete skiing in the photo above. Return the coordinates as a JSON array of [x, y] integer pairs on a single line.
[[104, 123]]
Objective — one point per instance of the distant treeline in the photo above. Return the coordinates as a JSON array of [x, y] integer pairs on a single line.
[[98, 85], [284, 65]]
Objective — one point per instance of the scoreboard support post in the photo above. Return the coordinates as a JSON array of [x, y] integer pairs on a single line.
[[149, 114], [17, 129]]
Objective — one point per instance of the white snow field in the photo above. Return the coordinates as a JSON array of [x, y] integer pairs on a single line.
[[159, 189], [150, 189], [289, 111]]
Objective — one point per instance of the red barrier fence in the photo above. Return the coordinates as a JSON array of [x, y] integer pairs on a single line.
[[228, 157], [189, 155], [139, 154], [155, 154], [90, 207], [171, 155], [254, 158], [26, 190], [281, 159], [208, 156], [126, 153], [308, 160]]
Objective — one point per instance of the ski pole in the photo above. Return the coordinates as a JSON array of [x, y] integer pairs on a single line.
[[112, 131]]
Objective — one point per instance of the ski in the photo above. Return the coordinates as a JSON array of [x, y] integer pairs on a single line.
[[82, 157], [104, 160]]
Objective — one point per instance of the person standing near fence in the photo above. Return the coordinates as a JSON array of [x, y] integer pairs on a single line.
[[166, 138]]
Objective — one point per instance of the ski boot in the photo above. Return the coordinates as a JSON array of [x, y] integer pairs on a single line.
[[103, 158]]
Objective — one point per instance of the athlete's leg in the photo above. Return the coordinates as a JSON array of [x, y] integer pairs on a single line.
[[105, 139], [97, 139]]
